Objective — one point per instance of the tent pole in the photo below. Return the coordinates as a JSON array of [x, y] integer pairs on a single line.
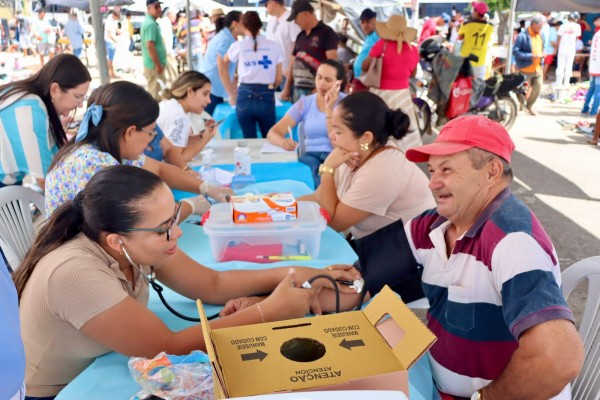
[[511, 28], [414, 5], [100, 45], [188, 22]]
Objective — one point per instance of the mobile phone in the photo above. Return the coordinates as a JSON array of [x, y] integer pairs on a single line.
[[219, 122]]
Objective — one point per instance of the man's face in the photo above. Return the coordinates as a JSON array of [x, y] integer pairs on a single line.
[[535, 27], [459, 190], [368, 26], [302, 20], [154, 10], [270, 6]]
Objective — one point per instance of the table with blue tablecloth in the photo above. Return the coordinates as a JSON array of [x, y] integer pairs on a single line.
[[108, 376], [231, 129]]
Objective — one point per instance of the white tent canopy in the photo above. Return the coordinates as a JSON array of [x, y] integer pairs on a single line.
[[558, 5], [205, 5]]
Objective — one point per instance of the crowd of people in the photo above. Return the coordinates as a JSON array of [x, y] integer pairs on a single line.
[[481, 257]]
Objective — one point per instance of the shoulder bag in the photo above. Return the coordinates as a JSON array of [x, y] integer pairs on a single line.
[[372, 77]]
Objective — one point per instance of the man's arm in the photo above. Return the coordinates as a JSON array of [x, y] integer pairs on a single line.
[[549, 356], [331, 54], [151, 46]]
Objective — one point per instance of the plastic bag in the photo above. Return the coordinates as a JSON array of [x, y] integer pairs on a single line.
[[171, 377]]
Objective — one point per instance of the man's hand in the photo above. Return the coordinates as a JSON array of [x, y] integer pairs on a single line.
[[235, 305], [160, 68], [285, 94]]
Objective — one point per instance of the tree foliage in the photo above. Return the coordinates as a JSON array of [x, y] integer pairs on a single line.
[[498, 5]]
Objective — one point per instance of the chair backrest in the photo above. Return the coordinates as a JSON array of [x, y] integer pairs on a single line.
[[16, 221], [587, 384]]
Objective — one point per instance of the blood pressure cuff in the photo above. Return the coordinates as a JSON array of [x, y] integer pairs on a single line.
[[385, 258]]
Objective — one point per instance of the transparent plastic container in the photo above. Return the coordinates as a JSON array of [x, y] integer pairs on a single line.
[[298, 237]]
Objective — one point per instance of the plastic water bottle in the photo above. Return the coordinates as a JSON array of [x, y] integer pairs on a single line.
[[241, 157], [207, 170]]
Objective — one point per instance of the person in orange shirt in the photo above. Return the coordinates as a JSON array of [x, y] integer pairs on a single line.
[[529, 53]]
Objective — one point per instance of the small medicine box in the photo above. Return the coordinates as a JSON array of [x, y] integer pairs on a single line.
[[301, 236], [272, 207]]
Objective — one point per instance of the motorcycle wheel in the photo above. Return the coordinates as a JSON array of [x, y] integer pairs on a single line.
[[505, 112], [423, 113]]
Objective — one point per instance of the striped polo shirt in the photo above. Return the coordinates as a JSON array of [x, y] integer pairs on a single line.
[[26, 145], [502, 278]]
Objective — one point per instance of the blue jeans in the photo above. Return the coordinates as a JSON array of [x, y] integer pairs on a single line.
[[214, 102], [110, 51], [314, 159], [593, 97], [255, 104], [38, 398]]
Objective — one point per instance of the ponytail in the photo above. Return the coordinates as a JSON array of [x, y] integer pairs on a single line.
[[251, 21]]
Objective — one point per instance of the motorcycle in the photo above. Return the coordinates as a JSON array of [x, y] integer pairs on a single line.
[[498, 98]]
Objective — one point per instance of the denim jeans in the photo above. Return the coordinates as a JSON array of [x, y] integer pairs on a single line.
[[214, 102], [255, 104], [314, 159], [593, 97], [38, 398]]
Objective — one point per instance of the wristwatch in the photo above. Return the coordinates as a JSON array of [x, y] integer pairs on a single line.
[[478, 395], [325, 169]]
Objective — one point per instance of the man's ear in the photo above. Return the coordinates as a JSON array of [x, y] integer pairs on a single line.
[[495, 170]]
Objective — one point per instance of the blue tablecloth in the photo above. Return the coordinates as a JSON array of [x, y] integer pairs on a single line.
[[108, 376], [268, 173], [230, 128]]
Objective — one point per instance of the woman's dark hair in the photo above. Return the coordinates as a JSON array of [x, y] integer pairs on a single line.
[[227, 20], [340, 71], [123, 104], [67, 71], [110, 202], [365, 111], [252, 22]]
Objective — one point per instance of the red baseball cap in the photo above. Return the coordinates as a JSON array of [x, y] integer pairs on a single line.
[[480, 6], [464, 133]]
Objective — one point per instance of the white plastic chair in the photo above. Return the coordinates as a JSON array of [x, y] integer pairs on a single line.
[[587, 384], [16, 221]]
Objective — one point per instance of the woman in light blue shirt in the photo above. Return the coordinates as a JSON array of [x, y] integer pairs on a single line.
[[31, 131], [314, 112], [218, 46]]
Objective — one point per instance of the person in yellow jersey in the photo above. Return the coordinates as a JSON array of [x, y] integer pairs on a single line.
[[476, 34]]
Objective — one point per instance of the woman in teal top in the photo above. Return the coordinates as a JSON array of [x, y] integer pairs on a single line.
[[31, 132]]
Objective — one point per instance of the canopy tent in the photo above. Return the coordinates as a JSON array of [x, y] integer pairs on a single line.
[[85, 4], [205, 5], [353, 8], [558, 5]]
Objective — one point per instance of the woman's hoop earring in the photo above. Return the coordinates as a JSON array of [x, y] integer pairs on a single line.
[[364, 146]]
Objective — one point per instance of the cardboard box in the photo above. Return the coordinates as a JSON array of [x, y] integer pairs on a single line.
[[345, 351], [272, 207]]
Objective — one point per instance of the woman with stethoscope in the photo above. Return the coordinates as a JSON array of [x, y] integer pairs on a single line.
[[259, 71]]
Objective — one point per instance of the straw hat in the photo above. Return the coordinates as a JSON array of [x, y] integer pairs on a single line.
[[396, 29], [217, 12]]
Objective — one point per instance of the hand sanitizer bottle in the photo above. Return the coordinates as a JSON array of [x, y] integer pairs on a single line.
[[241, 156], [207, 171]]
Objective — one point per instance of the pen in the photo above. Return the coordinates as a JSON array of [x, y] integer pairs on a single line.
[[344, 282], [295, 258], [290, 132]]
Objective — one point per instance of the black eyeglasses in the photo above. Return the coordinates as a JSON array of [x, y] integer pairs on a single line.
[[168, 231]]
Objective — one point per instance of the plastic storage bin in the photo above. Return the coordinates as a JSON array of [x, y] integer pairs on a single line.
[[286, 238]]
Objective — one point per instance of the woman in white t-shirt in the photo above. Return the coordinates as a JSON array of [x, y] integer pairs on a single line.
[[190, 93], [259, 73]]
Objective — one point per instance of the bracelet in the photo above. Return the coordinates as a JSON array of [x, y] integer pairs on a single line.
[[262, 316], [190, 203], [204, 187], [326, 169]]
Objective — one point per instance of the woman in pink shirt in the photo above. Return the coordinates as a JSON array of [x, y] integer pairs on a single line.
[[400, 60]]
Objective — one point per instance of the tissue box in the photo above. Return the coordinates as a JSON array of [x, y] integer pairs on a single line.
[[272, 207]]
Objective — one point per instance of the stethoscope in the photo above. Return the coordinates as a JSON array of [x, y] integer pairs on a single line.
[[151, 279]]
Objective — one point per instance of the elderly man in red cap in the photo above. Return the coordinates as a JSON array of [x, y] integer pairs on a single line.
[[490, 273], [476, 34]]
